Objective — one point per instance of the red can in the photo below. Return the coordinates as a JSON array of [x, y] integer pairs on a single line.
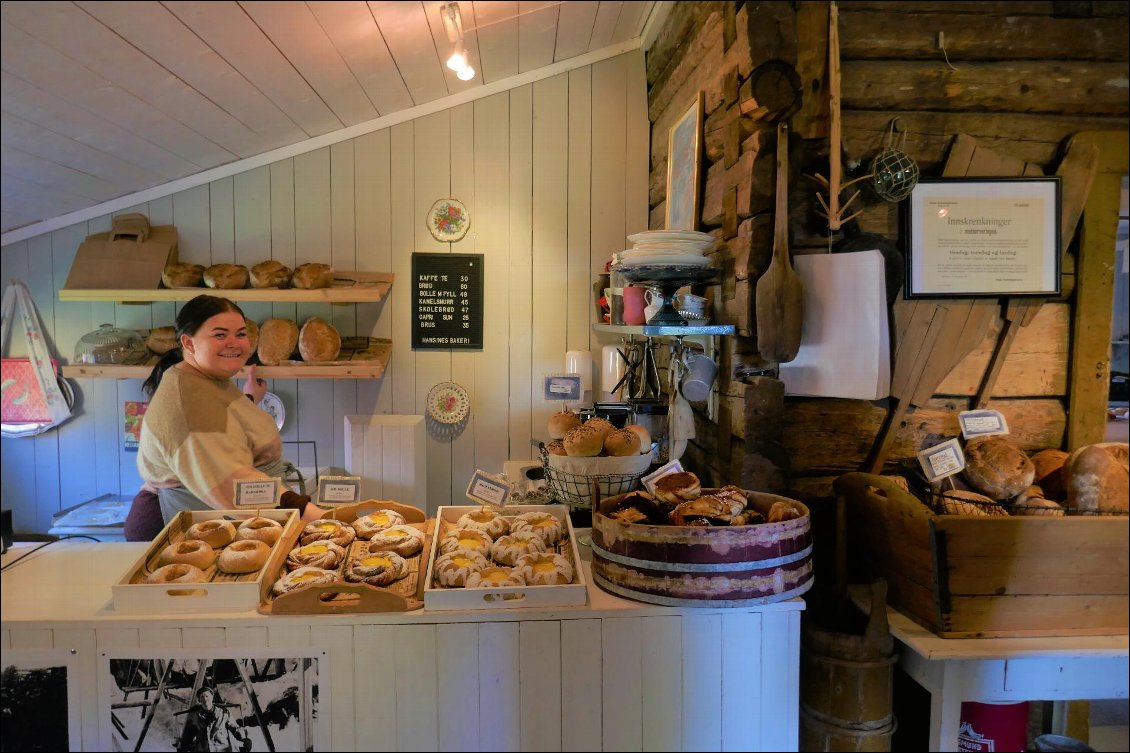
[[993, 727]]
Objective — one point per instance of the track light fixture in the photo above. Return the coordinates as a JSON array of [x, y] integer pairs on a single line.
[[453, 24]]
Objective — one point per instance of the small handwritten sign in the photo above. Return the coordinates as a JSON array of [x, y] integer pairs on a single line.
[[559, 387], [258, 492], [942, 460], [339, 490], [486, 489]]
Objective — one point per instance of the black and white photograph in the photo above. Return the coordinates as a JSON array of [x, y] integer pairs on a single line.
[[208, 701], [40, 708]]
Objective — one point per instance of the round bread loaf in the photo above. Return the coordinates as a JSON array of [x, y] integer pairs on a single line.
[[583, 441], [318, 340], [556, 447], [643, 434], [622, 443], [252, 333], [559, 423], [1049, 472], [997, 468], [183, 276], [312, 275], [277, 341], [162, 339], [270, 274], [226, 276], [1039, 506], [603, 425], [1097, 479], [963, 502]]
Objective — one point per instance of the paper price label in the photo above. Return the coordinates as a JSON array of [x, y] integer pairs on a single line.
[[942, 460], [339, 490], [258, 492], [486, 489], [981, 423], [664, 470], [562, 387]]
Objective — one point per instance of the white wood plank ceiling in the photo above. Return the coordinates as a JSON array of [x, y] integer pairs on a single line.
[[105, 99]]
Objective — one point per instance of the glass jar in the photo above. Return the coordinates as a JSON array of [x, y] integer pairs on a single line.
[[109, 344]]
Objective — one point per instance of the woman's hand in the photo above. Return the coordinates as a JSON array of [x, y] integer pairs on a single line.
[[252, 387]]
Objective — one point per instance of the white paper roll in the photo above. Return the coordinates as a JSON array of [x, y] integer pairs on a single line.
[[580, 362], [612, 367]]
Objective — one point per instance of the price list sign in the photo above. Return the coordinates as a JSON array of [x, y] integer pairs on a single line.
[[447, 301]]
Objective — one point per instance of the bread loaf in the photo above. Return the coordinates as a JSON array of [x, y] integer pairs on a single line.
[[1097, 479], [183, 276], [643, 434], [226, 276], [583, 441], [602, 425], [559, 423], [270, 274], [162, 339], [319, 340], [277, 341], [622, 443], [312, 275], [996, 467], [252, 333], [1049, 475], [959, 502]]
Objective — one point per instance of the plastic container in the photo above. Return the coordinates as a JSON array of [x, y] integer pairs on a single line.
[[109, 344]]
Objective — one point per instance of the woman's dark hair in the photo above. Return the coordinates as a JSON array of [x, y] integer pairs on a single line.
[[190, 319]]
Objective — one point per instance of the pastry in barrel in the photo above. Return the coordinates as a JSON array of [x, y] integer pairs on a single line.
[[495, 576], [214, 533], [188, 552], [561, 422], [177, 573], [322, 554], [242, 557], [487, 521], [270, 274], [547, 526], [378, 520], [510, 547], [706, 509], [997, 468], [328, 529], [402, 539], [583, 441], [1097, 479], [622, 443], [734, 497], [468, 539], [312, 275], [259, 529], [453, 569], [783, 510], [226, 276], [678, 487], [162, 339], [277, 340], [183, 275], [544, 569], [252, 333], [376, 568], [318, 340], [303, 576], [1049, 472]]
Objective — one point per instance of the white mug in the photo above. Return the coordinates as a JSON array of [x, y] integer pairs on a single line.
[[699, 378]]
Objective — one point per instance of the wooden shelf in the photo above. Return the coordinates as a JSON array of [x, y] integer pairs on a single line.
[[348, 287], [365, 363]]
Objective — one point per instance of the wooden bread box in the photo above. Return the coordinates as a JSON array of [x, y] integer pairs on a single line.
[[972, 577]]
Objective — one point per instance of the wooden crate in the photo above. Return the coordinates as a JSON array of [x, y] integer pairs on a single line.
[[571, 594], [970, 577], [221, 592], [354, 598]]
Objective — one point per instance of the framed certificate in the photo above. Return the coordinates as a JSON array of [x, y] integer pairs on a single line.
[[983, 237]]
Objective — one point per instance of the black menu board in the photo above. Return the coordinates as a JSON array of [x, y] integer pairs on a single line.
[[447, 301]]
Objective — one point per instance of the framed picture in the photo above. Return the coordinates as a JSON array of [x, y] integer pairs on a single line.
[[684, 164], [983, 237], [214, 699], [40, 701]]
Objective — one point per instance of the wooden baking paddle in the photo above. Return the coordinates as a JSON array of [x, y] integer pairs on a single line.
[[779, 299]]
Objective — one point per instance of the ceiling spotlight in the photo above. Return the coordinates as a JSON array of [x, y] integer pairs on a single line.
[[453, 24], [458, 59], [466, 73]]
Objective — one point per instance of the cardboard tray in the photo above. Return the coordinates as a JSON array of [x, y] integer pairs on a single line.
[[354, 598], [222, 592], [992, 577], [439, 598]]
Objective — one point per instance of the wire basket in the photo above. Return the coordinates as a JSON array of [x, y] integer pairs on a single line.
[[949, 503], [576, 489]]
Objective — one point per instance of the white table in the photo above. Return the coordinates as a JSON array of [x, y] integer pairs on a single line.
[[1003, 670]]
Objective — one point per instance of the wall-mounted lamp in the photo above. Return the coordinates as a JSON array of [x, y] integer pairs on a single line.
[[453, 23]]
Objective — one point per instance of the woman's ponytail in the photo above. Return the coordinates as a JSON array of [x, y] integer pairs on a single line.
[[166, 362]]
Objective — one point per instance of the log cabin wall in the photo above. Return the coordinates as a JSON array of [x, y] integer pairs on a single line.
[[1021, 78]]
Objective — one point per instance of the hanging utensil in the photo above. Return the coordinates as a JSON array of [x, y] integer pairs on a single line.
[[779, 301]]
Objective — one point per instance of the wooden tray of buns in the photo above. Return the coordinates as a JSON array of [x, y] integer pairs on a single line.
[[221, 592], [355, 598]]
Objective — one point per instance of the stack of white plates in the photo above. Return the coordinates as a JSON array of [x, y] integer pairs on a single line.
[[668, 247]]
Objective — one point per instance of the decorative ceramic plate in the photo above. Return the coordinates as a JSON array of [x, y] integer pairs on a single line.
[[272, 403], [448, 403], [448, 220]]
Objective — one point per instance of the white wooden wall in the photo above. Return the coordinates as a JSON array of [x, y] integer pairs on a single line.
[[555, 175]]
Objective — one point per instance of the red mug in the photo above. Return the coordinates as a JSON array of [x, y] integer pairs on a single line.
[[633, 305]]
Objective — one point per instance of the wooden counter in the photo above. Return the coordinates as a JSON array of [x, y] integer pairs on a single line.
[[612, 675]]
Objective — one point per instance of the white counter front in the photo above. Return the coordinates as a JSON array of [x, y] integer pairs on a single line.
[[612, 675]]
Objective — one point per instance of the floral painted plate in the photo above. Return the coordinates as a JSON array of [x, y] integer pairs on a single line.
[[448, 220], [274, 407], [448, 403]]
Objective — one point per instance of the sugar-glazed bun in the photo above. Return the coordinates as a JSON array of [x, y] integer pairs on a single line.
[[547, 526], [495, 577], [260, 529], [509, 548], [188, 552], [487, 521], [378, 520], [469, 539], [303, 576], [583, 442], [322, 554], [559, 423], [452, 570], [376, 568], [675, 488], [622, 443], [328, 529], [177, 573], [403, 540], [734, 498], [241, 557], [214, 533], [544, 569]]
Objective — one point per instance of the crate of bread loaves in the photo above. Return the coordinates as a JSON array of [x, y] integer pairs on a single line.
[[519, 556], [584, 454], [208, 561], [359, 558], [1016, 546]]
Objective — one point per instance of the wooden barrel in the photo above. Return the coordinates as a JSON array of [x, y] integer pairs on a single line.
[[725, 566], [818, 735]]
